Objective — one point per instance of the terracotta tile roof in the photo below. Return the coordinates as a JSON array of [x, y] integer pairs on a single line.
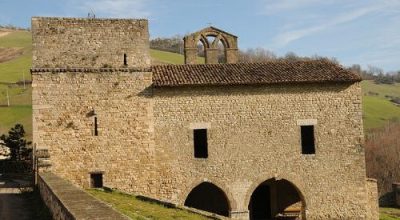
[[273, 72]]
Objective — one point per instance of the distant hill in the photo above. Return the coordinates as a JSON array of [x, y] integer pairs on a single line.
[[15, 61]]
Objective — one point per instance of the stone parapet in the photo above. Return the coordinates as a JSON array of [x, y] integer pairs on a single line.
[[65, 201]]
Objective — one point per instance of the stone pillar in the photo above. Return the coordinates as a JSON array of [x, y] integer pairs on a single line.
[[211, 55], [396, 192], [372, 199], [240, 215], [232, 55], [190, 55]]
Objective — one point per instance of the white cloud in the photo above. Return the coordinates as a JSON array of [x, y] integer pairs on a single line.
[[277, 6], [115, 8], [284, 38]]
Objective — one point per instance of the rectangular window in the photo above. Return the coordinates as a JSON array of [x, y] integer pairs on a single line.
[[96, 132], [200, 143], [96, 180], [307, 139]]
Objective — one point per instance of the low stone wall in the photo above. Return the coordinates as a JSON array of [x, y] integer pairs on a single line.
[[65, 201], [373, 208]]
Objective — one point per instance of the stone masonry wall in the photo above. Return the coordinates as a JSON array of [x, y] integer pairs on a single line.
[[145, 134], [62, 122], [373, 207], [254, 135], [75, 42]]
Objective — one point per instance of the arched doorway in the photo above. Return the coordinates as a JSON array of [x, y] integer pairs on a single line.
[[208, 197], [276, 199]]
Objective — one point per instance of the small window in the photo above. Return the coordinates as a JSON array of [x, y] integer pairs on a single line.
[[307, 139], [125, 60], [96, 180], [200, 143], [96, 131]]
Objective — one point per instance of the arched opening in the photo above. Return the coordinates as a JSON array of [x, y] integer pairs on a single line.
[[221, 52], [201, 52], [208, 197], [276, 199]]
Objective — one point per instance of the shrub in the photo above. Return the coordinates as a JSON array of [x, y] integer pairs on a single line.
[[382, 152]]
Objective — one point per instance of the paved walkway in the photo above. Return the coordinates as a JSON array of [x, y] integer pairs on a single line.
[[12, 204]]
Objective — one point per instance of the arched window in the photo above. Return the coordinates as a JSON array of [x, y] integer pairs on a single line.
[[208, 197]]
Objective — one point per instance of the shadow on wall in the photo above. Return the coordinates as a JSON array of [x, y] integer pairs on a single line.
[[192, 91]]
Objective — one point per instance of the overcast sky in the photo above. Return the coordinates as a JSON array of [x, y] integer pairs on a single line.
[[366, 32]]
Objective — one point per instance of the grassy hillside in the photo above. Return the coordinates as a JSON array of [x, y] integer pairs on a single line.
[[163, 57], [12, 71], [377, 109]]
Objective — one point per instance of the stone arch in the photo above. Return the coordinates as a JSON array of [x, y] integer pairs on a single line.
[[203, 39], [295, 183], [228, 40], [232, 203]]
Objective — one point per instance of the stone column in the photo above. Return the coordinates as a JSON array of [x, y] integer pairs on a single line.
[[211, 55], [190, 55], [232, 55]]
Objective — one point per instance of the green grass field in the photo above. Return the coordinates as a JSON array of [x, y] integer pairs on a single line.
[[139, 209], [381, 89], [169, 58], [17, 39], [20, 110], [377, 108], [14, 70]]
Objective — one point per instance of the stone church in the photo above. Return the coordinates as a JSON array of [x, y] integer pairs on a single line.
[[274, 140]]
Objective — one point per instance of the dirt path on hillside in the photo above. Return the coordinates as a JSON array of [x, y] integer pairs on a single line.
[[2, 34], [12, 204]]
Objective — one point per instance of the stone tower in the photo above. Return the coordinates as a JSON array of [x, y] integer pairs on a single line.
[[228, 40], [90, 81], [94, 43]]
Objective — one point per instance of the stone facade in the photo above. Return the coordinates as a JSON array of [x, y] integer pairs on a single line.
[[145, 134], [254, 136]]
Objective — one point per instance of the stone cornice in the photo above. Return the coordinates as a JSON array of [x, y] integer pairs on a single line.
[[88, 70]]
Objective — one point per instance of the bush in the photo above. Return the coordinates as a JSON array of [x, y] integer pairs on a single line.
[[395, 100], [382, 152]]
